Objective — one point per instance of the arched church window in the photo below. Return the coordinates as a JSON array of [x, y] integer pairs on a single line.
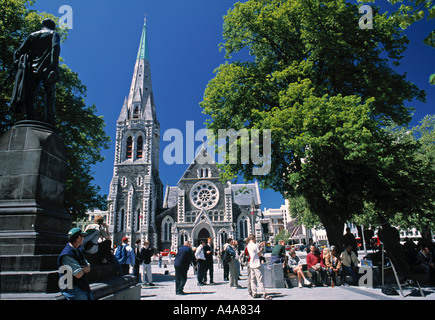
[[121, 224], [243, 228], [139, 152], [139, 181], [129, 151], [167, 226], [138, 220]]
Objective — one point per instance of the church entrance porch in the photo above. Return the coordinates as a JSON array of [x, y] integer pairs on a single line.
[[204, 234], [202, 231]]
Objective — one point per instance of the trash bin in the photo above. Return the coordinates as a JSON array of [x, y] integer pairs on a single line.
[[273, 275]]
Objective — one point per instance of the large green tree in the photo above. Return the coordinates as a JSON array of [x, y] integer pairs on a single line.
[[325, 88], [80, 127]]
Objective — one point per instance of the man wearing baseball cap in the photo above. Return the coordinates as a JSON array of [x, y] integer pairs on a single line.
[[75, 262]]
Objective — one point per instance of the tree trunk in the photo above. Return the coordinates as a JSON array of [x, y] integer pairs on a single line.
[[334, 231], [426, 236]]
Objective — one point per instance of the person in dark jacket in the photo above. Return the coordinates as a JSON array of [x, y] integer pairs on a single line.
[[138, 261], [208, 250], [349, 239], [182, 263], [72, 258], [390, 237], [37, 62]]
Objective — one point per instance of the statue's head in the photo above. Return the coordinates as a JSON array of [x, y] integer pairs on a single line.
[[48, 23]]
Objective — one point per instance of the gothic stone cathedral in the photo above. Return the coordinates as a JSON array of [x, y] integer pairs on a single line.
[[200, 206]]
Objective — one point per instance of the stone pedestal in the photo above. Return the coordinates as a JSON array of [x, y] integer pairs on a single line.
[[33, 221]]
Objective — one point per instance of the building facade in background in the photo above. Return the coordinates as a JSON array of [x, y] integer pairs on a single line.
[[201, 206]]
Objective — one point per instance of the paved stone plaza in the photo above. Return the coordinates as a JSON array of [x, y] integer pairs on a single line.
[[164, 289]]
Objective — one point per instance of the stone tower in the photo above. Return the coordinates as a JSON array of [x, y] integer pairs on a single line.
[[136, 191]]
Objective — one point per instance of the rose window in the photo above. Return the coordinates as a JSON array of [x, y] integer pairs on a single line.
[[204, 195]]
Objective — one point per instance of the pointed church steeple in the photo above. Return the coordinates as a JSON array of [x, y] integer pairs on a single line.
[[141, 98], [136, 192], [143, 47]]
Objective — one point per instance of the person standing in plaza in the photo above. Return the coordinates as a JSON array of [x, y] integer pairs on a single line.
[[230, 256], [349, 239], [247, 259], [201, 262], [225, 265], [182, 262], [159, 256], [254, 264], [125, 255], [138, 261], [237, 258], [208, 250], [72, 257], [146, 252]]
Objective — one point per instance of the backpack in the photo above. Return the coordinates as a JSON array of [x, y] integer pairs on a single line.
[[90, 243], [226, 257], [121, 254]]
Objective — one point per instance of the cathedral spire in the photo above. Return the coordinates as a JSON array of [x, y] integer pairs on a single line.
[[143, 47], [140, 100]]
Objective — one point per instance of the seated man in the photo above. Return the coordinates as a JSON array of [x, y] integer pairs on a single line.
[[350, 264], [73, 258], [314, 266], [426, 261], [278, 253]]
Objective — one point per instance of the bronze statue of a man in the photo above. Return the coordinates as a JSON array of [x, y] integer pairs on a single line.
[[37, 63]]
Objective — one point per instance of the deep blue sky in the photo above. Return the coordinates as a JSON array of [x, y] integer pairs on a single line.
[[183, 38]]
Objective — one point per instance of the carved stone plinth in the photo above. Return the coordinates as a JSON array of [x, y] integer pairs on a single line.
[[33, 222]]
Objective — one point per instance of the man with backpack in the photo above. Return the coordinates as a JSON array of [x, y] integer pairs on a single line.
[[125, 255]]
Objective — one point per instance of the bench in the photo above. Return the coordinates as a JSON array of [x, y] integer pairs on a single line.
[[294, 278]]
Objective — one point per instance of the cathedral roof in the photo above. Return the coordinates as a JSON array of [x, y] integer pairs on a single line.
[[171, 197], [244, 193]]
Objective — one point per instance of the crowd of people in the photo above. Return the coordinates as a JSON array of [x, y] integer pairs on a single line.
[[329, 266], [231, 259]]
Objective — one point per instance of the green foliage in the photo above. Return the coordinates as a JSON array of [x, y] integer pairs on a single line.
[[80, 128], [282, 235], [325, 88], [299, 210], [413, 11], [422, 137]]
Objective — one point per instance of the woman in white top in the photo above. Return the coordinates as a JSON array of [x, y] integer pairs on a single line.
[[295, 266]]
